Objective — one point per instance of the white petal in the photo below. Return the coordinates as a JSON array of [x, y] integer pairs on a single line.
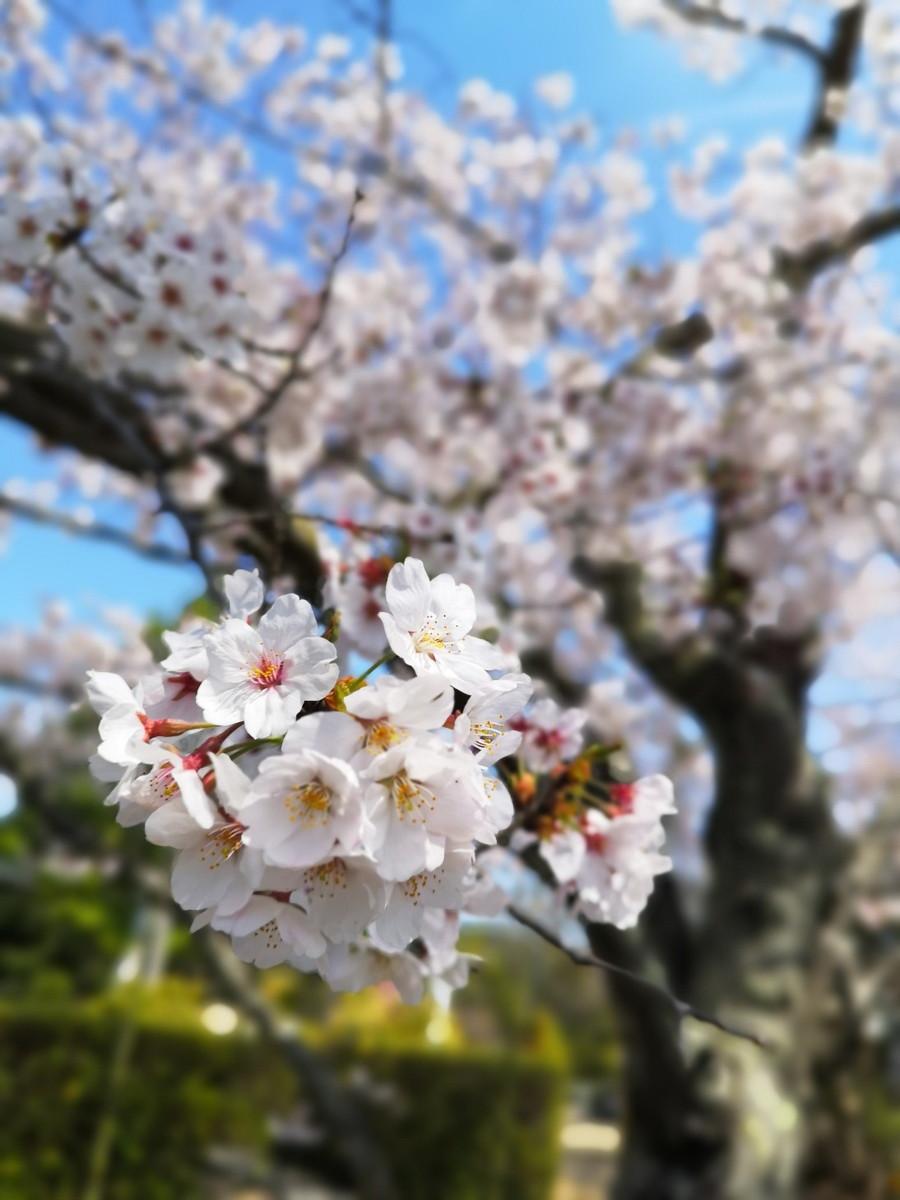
[[564, 852], [200, 878], [311, 667], [408, 593], [398, 639], [268, 713], [407, 850], [245, 593], [195, 799], [331, 733], [454, 603], [287, 621], [299, 932], [173, 825], [105, 690], [232, 650], [232, 784]]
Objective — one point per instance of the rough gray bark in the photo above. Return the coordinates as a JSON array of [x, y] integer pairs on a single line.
[[710, 1117]]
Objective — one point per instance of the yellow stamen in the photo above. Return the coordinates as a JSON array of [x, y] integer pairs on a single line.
[[309, 803]]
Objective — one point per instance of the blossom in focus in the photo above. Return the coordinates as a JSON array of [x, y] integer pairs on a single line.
[[428, 625], [262, 676], [346, 840], [483, 724], [303, 808]]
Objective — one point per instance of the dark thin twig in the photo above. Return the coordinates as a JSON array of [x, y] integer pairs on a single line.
[[345, 524], [295, 369], [680, 1008], [788, 39]]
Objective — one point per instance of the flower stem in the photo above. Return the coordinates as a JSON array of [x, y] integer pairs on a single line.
[[385, 658], [253, 744]]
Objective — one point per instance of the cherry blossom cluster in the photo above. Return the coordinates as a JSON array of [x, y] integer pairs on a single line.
[[334, 822], [330, 823], [128, 288], [606, 856]]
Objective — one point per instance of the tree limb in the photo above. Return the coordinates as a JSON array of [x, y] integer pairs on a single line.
[[680, 1008], [699, 14], [837, 67], [691, 670], [799, 268], [95, 530], [64, 407]]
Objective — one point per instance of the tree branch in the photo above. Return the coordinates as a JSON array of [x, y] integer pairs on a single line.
[[690, 670], [680, 1008], [699, 14], [837, 67], [63, 406], [835, 64], [96, 530], [799, 268]]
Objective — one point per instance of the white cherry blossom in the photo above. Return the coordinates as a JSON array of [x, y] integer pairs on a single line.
[[262, 676], [550, 734], [483, 723], [213, 868], [304, 808], [410, 900], [428, 625]]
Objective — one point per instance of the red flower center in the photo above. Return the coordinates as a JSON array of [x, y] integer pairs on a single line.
[[268, 672], [622, 796]]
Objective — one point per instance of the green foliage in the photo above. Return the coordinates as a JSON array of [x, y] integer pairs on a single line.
[[181, 1090], [881, 1120], [469, 1124], [458, 1123], [66, 939]]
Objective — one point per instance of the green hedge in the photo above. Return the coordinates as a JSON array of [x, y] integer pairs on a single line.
[[183, 1090], [467, 1125], [458, 1124]]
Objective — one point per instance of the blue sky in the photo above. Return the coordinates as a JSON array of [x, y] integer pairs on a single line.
[[625, 79]]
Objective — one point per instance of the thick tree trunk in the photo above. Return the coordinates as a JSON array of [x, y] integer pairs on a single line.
[[708, 1116]]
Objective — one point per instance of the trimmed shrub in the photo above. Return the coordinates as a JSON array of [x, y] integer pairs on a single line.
[[457, 1124], [179, 1090]]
